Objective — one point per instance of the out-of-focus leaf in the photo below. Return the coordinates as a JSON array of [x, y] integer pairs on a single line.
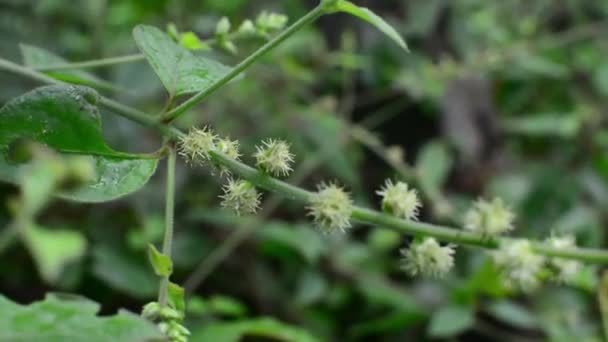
[[602, 294], [600, 79], [513, 313], [35, 57], [371, 17], [179, 70], [226, 306], [259, 327], [124, 272], [450, 321], [312, 286], [190, 41], [57, 320], [161, 263], [433, 164], [53, 249], [300, 238], [545, 124], [397, 321], [66, 119]]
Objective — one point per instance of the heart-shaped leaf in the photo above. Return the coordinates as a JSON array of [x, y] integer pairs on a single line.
[[179, 70], [58, 320], [66, 119]]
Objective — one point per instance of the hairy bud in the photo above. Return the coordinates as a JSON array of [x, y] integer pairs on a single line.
[[399, 200], [519, 264], [489, 218], [428, 258], [331, 209], [274, 157], [196, 145], [563, 269], [240, 196]]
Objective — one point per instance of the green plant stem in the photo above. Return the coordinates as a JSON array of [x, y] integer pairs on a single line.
[[93, 63], [169, 219], [246, 63], [363, 215]]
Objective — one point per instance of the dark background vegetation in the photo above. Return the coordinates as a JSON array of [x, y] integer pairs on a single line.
[[515, 92]]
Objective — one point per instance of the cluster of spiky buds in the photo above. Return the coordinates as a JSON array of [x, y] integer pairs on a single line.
[[331, 208], [197, 144], [489, 218], [399, 200], [428, 258], [563, 270], [168, 321], [273, 156], [519, 264], [240, 196]]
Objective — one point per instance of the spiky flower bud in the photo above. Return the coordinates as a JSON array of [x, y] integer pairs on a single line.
[[274, 157], [428, 258], [196, 145], [331, 209], [240, 196], [563, 269], [519, 264], [399, 200], [489, 218], [151, 311]]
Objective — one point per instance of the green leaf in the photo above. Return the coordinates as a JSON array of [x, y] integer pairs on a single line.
[[259, 327], [180, 71], [57, 320], [226, 306], [35, 57], [190, 41], [450, 321], [124, 271], [163, 267], [53, 249], [66, 119], [513, 313], [433, 164], [176, 295], [369, 16]]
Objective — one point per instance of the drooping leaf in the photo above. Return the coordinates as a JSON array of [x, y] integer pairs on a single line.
[[180, 71], [53, 249], [35, 57], [513, 313], [57, 320], [160, 262], [451, 320], [371, 17], [259, 327], [66, 119], [226, 306]]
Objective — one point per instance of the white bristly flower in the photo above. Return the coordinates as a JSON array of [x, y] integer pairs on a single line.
[[489, 218], [331, 208], [564, 269], [519, 264], [428, 258], [196, 145], [240, 196], [399, 200], [274, 157]]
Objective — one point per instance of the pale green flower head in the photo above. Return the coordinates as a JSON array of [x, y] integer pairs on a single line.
[[274, 157], [520, 265], [331, 208], [240, 196], [564, 270], [196, 145], [399, 200], [489, 218], [428, 258]]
